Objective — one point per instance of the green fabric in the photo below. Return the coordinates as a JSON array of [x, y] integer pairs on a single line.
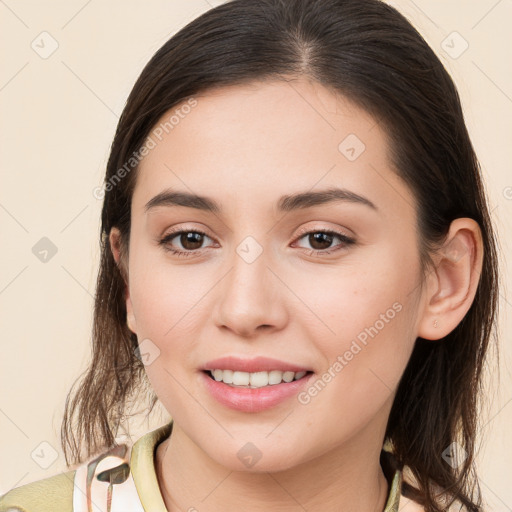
[[142, 462], [393, 500], [53, 494]]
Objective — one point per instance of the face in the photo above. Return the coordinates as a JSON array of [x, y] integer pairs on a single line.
[[330, 288]]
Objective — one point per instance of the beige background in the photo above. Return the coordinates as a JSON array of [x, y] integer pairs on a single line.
[[58, 116]]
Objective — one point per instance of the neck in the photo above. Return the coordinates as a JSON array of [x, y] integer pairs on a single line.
[[349, 476]]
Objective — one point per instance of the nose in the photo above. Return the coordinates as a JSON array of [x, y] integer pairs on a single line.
[[251, 296]]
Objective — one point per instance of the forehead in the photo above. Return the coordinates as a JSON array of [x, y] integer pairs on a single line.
[[254, 143]]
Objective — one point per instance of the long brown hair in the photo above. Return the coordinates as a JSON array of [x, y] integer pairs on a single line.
[[367, 51]]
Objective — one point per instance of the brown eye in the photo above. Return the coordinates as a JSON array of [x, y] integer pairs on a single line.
[[321, 240], [190, 241]]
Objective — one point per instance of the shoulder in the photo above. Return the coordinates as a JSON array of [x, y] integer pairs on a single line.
[[120, 478], [409, 505], [53, 494]]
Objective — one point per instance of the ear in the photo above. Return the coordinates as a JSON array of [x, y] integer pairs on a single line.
[[452, 285], [120, 259]]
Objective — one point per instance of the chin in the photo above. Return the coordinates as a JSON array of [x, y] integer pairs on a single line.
[[254, 458]]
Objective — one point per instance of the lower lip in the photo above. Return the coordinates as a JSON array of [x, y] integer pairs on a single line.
[[253, 399]]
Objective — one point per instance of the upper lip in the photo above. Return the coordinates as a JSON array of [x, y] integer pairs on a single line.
[[253, 365]]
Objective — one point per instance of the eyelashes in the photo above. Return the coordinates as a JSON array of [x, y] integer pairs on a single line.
[[165, 241], [326, 235], [346, 241]]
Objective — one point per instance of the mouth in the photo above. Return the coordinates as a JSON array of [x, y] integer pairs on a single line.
[[254, 391], [255, 380]]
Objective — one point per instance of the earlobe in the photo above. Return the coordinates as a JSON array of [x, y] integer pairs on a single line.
[[115, 243], [452, 285], [130, 317]]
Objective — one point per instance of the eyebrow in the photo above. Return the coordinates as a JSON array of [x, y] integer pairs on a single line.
[[287, 203]]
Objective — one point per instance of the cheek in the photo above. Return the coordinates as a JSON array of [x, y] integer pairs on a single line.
[[370, 348], [351, 302], [367, 332], [363, 366], [168, 305], [163, 295], [166, 318]]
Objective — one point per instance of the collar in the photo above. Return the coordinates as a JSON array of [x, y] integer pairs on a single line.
[[142, 465], [394, 478]]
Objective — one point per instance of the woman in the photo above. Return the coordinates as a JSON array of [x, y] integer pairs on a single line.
[[298, 258]]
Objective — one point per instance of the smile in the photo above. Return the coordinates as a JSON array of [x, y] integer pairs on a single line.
[[255, 379], [269, 389]]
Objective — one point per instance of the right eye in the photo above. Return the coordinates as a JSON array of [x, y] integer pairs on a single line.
[[189, 239]]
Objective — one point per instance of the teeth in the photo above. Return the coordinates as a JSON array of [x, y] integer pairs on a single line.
[[256, 379], [240, 378], [275, 377]]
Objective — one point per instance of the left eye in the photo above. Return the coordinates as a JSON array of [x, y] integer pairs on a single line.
[[192, 240], [325, 237]]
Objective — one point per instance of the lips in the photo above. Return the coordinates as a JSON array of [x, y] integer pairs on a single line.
[[252, 400], [253, 365], [257, 398]]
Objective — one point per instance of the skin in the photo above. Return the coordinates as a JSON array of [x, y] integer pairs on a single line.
[[245, 146]]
